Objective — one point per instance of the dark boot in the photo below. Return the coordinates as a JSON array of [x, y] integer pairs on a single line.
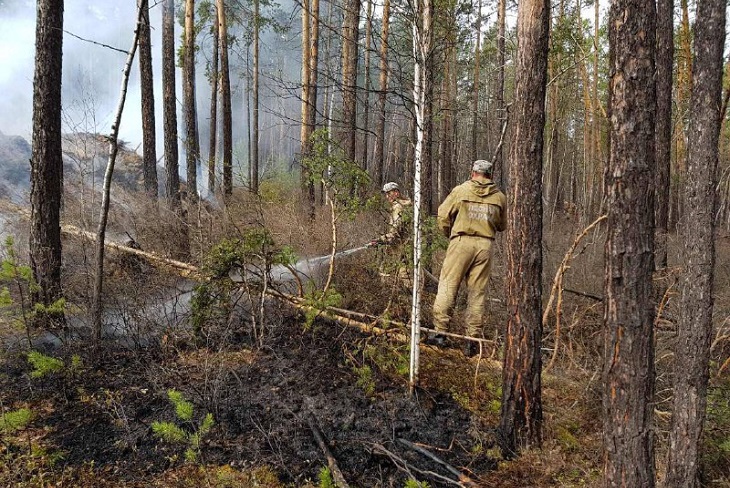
[[435, 339], [470, 349]]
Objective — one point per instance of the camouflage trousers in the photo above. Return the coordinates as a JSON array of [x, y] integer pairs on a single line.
[[467, 258]]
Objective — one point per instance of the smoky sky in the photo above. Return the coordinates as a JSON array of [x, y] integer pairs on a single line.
[[92, 74]]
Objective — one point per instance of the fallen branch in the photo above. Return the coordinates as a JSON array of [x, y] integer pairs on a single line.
[[463, 479], [337, 315], [401, 464], [331, 461], [185, 270]]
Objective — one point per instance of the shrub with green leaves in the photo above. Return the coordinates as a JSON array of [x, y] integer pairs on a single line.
[[319, 300], [16, 287], [416, 484], [15, 420], [187, 434], [255, 253], [325, 478], [344, 180], [43, 365]]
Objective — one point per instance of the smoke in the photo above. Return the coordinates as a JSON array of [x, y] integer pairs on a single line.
[[89, 70], [92, 76]]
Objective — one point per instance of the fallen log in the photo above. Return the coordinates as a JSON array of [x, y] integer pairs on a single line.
[[184, 269], [331, 314]]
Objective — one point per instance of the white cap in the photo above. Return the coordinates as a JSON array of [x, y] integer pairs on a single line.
[[390, 186], [482, 166]]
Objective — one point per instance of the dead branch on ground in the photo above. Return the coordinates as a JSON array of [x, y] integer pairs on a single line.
[[463, 479], [331, 461]]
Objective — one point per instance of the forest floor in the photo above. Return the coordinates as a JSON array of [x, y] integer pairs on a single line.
[[94, 421]]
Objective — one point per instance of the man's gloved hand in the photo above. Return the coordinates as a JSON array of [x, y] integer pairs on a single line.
[[374, 243]]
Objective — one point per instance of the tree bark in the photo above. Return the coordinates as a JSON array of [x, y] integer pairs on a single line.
[[213, 142], [628, 374], [225, 81], [475, 88], [192, 141], [350, 35], [46, 162], [694, 329], [149, 149], [382, 97], [421, 51], [664, 68], [521, 415], [501, 108], [172, 185], [254, 165], [308, 108], [367, 84]]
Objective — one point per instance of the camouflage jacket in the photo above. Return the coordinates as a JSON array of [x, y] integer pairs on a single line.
[[396, 223]]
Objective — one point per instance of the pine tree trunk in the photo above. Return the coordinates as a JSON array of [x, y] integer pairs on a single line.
[[382, 97], [350, 34], [521, 415], [628, 374], [308, 111], [694, 329], [213, 142], [683, 88], [664, 67], [254, 165], [368, 85], [46, 188], [192, 141], [149, 150], [499, 170], [169, 101], [427, 158], [225, 101], [475, 89]]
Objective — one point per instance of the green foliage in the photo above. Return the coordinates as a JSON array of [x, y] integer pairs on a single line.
[[17, 285], [567, 440], [5, 299], [390, 359], [187, 434], [55, 309], [169, 432], [344, 180], [11, 422], [416, 484], [365, 379], [279, 188], [716, 440], [255, 249], [325, 478], [43, 365], [183, 408], [319, 300]]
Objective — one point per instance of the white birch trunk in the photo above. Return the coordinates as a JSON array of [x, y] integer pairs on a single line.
[[421, 46], [113, 148]]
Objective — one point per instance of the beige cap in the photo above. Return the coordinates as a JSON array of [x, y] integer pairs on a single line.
[[482, 166], [390, 186]]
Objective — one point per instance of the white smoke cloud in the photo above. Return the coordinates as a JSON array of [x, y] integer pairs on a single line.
[[91, 73]]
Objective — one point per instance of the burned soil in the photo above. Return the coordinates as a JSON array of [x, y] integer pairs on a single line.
[[263, 399]]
